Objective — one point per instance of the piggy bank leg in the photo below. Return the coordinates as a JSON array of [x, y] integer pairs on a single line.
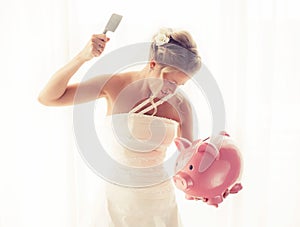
[[226, 193], [215, 200], [189, 197], [236, 188]]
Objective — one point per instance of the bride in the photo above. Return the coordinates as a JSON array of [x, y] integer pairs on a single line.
[[137, 98]]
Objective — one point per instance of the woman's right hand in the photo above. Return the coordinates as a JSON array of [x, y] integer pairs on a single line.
[[94, 47]]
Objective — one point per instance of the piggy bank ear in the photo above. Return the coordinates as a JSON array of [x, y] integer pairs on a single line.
[[210, 154], [182, 143], [224, 133]]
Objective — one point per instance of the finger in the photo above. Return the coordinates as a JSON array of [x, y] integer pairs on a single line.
[[97, 53], [100, 37], [97, 39], [101, 49], [98, 48], [103, 37], [99, 44]]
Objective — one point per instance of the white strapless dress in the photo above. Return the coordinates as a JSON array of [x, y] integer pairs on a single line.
[[139, 141]]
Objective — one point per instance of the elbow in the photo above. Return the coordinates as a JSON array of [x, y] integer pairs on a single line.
[[43, 101]]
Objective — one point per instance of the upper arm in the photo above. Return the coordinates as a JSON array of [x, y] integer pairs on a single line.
[[85, 91], [186, 124]]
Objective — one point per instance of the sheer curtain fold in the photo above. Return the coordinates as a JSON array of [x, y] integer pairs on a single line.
[[36, 169], [251, 48]]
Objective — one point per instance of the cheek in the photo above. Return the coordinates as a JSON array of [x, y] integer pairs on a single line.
[[169, 87], [155, 86], [178, 77]]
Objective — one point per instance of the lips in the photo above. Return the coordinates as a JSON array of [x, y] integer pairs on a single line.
[[164, 92]]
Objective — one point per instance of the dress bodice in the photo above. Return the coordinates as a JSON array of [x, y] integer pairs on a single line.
[[137, 140]]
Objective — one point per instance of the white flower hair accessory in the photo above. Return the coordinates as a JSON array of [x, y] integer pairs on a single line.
[[161, 39], [163, 36]]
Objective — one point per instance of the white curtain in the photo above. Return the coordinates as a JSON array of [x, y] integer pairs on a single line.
[[251, 48]]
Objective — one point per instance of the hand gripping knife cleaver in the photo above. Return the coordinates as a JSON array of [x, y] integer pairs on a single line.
[[113, 23]]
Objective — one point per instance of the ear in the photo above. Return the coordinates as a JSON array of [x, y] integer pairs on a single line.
[[152, 64], [182, 143], [211, 153]]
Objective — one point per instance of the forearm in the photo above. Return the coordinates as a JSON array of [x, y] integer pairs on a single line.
[[58, 83]]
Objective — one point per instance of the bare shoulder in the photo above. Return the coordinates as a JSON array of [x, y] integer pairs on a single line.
[[117, 82], [124, 77]]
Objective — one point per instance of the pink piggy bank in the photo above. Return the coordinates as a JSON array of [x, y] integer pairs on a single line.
[[208, 170]]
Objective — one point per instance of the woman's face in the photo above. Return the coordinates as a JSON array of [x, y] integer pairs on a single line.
[[176, 77], [168, 83]]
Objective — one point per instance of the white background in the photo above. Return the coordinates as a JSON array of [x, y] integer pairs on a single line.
[[251, 48]]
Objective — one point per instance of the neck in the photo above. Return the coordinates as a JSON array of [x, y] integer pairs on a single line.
[[145, 74]]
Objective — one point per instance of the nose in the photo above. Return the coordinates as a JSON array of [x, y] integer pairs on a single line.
[[183, 181]]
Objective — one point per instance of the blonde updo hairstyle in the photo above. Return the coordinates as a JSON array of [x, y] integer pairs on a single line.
[[175, 50]]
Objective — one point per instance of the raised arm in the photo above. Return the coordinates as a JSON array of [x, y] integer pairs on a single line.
[[57, 92]]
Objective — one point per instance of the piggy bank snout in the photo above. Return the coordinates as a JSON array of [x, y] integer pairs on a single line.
[[183, 181]]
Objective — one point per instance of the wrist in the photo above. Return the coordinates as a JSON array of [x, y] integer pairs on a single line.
[[81, 58]]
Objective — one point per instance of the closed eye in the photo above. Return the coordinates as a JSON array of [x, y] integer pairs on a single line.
[[173, 82]]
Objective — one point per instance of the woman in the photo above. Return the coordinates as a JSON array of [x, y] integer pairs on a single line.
[[145, 95]]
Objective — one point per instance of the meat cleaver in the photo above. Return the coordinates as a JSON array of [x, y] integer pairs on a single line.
[[113, 23]]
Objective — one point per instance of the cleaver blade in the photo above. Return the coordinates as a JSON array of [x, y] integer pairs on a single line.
[[113, 23]]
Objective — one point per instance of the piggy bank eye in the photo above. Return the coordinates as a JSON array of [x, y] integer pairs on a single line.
[[191, 167]]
